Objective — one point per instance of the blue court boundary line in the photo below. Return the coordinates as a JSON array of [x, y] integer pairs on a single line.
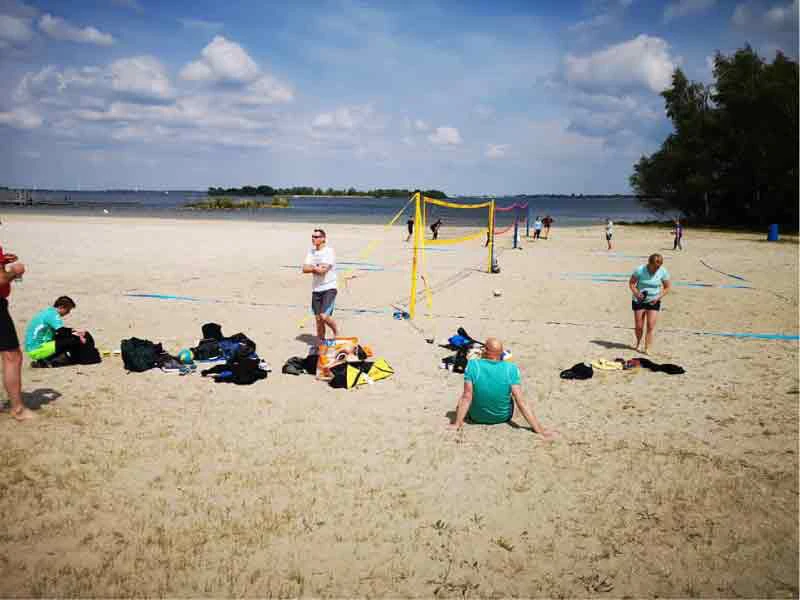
[[355, 268], [622, 277], [739, 277], [265, 304], [756, 336]]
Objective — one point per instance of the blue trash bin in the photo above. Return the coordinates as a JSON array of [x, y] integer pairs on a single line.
[[772, 236]]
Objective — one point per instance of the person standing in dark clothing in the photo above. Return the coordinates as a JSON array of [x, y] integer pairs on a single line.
[[435, 228], [10, 351]]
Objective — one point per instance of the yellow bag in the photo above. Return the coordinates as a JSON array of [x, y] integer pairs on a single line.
[[351, 374]]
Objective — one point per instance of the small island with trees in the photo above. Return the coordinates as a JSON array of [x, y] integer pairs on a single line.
[[265, 196]]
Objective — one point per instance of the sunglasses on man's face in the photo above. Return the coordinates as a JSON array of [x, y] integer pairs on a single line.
[[316, 236]]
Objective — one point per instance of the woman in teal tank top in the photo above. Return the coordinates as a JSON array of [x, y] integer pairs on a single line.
[[649, 284]]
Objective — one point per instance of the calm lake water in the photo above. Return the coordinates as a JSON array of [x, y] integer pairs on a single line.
[[566, 211]]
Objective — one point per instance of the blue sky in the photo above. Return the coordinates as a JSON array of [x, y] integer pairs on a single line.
[[468, 97]]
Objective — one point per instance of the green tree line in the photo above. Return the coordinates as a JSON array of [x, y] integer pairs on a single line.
[[266, 190], [732, 157]]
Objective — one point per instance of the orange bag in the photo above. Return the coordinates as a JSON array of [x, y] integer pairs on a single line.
[[335, 352]]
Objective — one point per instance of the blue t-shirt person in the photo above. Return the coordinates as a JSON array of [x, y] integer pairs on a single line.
[[491, 397], [650, 283]]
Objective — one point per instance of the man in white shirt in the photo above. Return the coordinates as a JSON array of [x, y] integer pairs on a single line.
[[609, 233], [321, 263]]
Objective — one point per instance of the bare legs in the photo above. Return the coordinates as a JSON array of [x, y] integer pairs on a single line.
[[645, 324], [322, 321], [12, 380], [651, 318], [638, 324]]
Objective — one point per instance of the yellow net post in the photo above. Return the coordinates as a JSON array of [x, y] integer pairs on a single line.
[[491, 235], [418, 240]]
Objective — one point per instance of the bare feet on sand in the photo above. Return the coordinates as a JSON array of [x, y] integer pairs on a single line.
[[23, 414]]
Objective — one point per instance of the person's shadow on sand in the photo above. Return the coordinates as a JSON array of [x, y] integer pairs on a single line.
[[614, 345], [307, 338], [39, 397]]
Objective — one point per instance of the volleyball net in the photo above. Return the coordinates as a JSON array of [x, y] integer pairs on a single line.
[[431, 214]]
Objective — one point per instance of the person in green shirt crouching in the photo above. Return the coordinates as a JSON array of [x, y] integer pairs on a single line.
[[492, 387], [41, 342]]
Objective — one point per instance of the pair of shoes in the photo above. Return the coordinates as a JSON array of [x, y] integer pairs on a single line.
[[42, 363]]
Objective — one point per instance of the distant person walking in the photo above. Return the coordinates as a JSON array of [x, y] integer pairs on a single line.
[[678, 233], [435, 228], [410, 225], [320, 262], [649, 284], [537, 228], [610, 233], [547, 222], [10, 351]]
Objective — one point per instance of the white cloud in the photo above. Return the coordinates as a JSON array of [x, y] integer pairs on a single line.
[[266, 90], [14, 30], [552, 141], [483, 112], [496, 150], [782, 17], [59, 29], [344, 118], [595, 22], [142, 76], [755, 15], [421, 125], [741, 15], [21, 118], [445, 136], [222, 60], [642, 61], [201, 24], [683, 8]]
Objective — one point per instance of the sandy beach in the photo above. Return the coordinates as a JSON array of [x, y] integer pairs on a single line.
[[154, 484]]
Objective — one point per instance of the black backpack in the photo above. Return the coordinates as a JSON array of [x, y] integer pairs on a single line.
[[241, 371], [86, 353], [207, 349], [139, 355]]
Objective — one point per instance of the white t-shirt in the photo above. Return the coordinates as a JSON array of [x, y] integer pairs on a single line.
[[610, 228], [324, 256]]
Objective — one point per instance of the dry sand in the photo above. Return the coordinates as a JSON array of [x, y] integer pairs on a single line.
[[154, 484]]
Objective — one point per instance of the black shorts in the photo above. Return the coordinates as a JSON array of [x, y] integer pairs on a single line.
[[322, 302], [8, 333], [635, 305], [609, 236]]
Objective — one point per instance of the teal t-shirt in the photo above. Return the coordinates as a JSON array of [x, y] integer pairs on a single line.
[[42, 328], [650, 282], [491, 390]]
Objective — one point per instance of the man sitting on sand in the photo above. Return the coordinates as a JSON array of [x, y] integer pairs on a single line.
[[41, 342], [491, 390]]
